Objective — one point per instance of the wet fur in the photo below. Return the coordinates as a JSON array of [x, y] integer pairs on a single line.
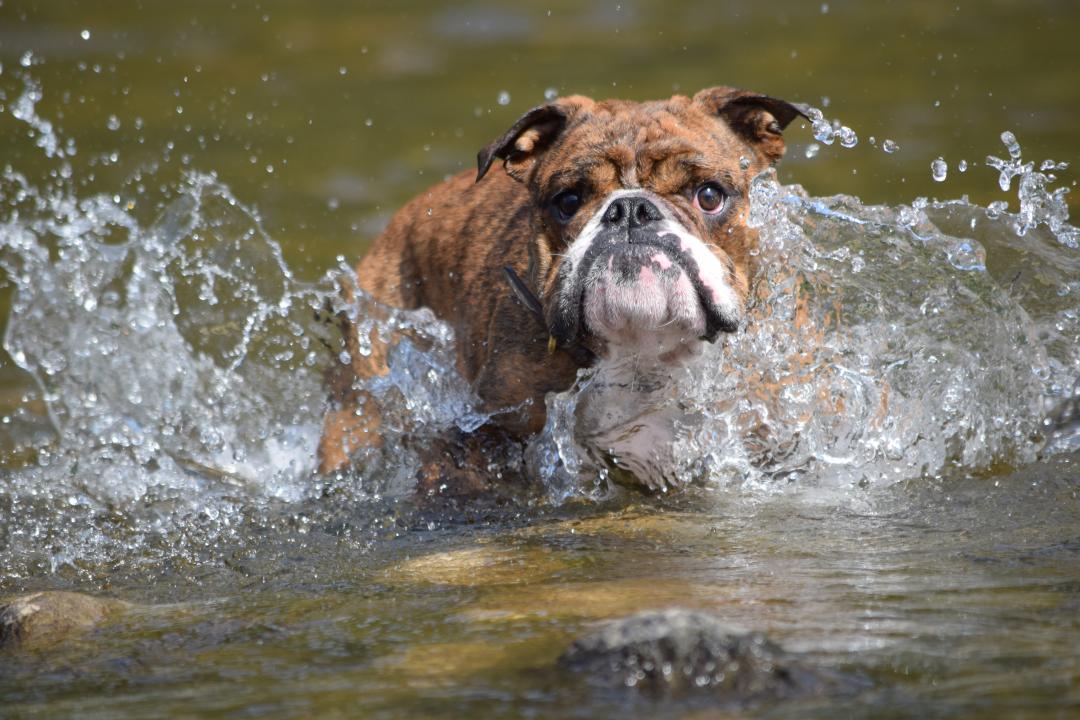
[[447, 249]]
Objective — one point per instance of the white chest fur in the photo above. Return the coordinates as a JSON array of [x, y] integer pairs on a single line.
[[631, 411]]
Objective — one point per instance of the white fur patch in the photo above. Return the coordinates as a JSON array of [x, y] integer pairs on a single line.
[[713, 273], [601, 315]]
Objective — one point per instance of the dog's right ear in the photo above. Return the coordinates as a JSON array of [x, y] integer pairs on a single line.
[[520, 146]]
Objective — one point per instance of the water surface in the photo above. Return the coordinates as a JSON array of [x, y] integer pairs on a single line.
[[177, 185]]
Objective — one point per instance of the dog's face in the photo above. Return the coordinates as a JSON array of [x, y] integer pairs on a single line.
[[641, 241]]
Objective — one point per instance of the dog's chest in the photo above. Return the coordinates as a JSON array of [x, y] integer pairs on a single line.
[[630, 414]]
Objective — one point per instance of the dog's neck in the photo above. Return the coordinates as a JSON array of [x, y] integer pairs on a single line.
[[630, 409]]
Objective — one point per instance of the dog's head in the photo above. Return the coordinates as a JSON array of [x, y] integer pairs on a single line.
[[640, 213]]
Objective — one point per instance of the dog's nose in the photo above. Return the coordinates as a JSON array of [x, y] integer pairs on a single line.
[[632, 211]]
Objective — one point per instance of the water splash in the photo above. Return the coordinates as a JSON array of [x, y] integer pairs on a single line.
[[883, 343], [179, 372], [828, 131], [44, 133], [179, 366], [1039, 205]]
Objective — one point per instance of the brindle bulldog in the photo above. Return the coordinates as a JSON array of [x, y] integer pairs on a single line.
[[617, 236]]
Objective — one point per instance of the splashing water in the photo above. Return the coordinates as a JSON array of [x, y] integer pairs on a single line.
[[179, 373], [179, 367], [23, 109], [883, 343], [879, 348], [182, 376], [1038, 204], [939, 169], [827, 131]]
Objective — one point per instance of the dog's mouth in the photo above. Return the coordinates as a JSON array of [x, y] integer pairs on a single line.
[[632, 290], [640, 289]]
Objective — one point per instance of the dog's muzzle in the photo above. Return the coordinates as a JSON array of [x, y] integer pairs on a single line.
[[635, 270]]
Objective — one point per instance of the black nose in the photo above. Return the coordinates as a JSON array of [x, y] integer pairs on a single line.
[[632, 211]]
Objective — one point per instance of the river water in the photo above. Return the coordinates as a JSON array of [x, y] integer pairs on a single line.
[[900, 504]]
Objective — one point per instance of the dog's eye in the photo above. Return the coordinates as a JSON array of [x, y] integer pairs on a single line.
[[566, 204], [709, 198]]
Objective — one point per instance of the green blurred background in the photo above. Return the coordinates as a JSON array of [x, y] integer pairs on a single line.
[[326, 115]]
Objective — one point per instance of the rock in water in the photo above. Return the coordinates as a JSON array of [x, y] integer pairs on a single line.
[[47, 617], [675, 652]]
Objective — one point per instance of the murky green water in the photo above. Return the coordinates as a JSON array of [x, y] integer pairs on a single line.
[[954, 595], [945, 595]]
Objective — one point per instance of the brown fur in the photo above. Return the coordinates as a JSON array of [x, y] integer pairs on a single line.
[[447, 247]]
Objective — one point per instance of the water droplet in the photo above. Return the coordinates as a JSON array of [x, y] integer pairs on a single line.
[[1053, 165], [824, 8], [848, 138], [368, 122], [962, 166], [85, 34], [113, 123], [812, 150], [342, 70], [823, 130], [504, 97], [551, 93], [939, 169], [744, 162], [889, 146], [27, 59], [1011, 144]]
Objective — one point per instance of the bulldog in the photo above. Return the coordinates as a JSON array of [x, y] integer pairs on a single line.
[[615, 238]]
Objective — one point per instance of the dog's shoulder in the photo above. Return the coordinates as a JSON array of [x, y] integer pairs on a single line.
[[445, 245]]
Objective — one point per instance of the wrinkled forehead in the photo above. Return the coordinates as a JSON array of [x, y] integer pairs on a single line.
[[660, 145]]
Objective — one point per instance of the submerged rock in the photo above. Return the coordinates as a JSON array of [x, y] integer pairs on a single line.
[[44, 618], [676, 652]]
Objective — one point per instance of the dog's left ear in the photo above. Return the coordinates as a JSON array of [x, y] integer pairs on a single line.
[[759, 119], [521, 145]]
